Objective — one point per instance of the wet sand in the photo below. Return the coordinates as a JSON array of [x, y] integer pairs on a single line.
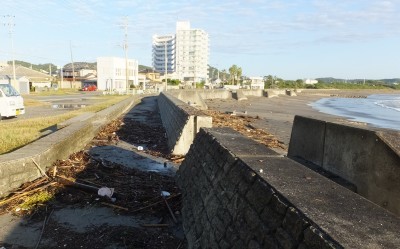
[[276, 114]]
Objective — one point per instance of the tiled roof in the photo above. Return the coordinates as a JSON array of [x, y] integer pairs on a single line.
[[21, 71]]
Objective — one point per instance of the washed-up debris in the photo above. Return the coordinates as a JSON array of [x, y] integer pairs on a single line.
[[104, 191], [243, 124], [79, 179]]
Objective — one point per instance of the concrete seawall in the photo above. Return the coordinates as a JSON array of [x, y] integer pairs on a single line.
[[368, 159], [239, 194], [18, 166], [181, 122]]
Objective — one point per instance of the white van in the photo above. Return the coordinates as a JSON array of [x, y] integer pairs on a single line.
[[11, 102]]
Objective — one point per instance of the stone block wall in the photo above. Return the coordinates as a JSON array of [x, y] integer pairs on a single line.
[[239, 194], [181, 122]]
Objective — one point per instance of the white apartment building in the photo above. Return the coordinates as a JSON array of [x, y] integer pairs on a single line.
[[164, 53], [114, 73], [192, 52], [187, 53]]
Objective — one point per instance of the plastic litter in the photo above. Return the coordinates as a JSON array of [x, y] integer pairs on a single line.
[[165, 193], [104, 191], [140, 147]]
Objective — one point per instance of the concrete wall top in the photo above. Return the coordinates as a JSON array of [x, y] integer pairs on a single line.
[[190, 110], [349, 219], [190, 97], [366, 158]]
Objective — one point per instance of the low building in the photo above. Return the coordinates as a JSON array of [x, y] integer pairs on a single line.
[[150, 75], [116, 74], [310, 81], [74, 76], [256, 82], [26, 78]]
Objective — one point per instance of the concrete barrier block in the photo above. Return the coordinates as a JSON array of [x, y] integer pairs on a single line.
[[307, 139], [366, 160]]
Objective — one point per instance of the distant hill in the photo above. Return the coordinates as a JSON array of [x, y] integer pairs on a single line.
[[46, 67], [333, 80], [142, 67], [38, 67], [82, 65], [93, 65]]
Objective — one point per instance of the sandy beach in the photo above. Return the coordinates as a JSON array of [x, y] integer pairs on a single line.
[[276, 114]]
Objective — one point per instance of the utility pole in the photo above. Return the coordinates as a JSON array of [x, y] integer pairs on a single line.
[[72, 63], [11, 26], [125, 26], [166, 65]]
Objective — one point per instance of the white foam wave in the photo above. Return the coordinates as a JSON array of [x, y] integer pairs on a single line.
[[390, 104]]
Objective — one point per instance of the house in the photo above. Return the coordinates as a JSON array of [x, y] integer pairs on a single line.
[[116, 74], [26, 78], [150, 75], [310, 81], [256, 82], [74, 76], [22, 84]]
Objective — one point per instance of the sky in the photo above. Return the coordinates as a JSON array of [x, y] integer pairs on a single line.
[[292, 39]]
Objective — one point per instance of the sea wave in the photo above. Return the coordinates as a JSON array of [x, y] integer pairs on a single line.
[[379, 110], [391, 104]]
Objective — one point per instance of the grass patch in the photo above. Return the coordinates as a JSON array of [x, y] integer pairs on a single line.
[[56, 92], [16, 134], [33, 102]]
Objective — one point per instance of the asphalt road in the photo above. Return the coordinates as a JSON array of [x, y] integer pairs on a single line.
[[56, 104]]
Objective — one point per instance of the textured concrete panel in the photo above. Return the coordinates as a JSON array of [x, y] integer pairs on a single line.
[[235, 196], [307, 139]]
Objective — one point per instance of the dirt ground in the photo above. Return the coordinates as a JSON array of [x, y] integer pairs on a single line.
[[64, 209]]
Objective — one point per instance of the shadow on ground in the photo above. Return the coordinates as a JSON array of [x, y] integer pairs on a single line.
[[65, 210]]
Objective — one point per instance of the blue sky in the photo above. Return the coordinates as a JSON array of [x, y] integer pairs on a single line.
[[290, 39]]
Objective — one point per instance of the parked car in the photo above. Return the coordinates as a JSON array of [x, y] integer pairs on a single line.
[[11, 102], [89, 87]]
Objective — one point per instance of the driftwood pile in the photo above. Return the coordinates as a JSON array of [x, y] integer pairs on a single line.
[[77, 180], [243, 124]]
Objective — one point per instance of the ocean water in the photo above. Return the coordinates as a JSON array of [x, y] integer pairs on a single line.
[[379, 110]]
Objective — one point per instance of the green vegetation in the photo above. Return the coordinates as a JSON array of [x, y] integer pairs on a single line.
[[173, 82], [32, 201], [235, 73], [271, 82], [200, 85], [38, 67], [59, 91], [341, 85], [46, 67], [24, 131]]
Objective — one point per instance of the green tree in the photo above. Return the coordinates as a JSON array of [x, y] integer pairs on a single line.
[[232, 71], [238, 73], [223, 74], [235, 73]]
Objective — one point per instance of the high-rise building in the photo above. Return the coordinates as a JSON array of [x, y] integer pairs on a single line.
[[164, 53], [187, 53]]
